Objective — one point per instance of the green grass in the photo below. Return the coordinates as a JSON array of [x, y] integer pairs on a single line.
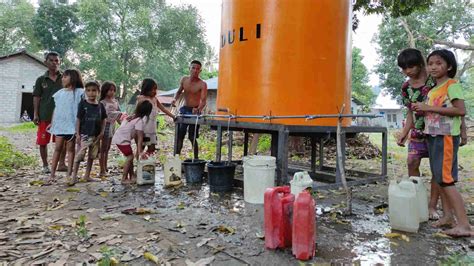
[[23, 127], [10, 159]]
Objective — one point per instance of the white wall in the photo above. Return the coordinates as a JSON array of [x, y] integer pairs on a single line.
[[17, 75]]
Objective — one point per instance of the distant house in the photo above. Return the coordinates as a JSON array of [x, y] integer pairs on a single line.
[[392, 112], [18, 73], [211, 94]]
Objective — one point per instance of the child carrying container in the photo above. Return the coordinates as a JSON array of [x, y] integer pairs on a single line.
[[127, 131], [90, 125]]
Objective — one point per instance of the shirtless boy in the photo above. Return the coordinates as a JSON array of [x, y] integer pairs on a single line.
[[194, 91]]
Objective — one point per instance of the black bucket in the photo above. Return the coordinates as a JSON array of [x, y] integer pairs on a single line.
[[221, 176], [193, 170]]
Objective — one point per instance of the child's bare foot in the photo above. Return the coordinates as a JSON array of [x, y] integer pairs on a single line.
[[444, 222], [433, 214], [459, 231], [51, 180], [71, 181], [126, 182]]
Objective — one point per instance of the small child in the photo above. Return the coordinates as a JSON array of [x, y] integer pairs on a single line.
[[148, 92], [107, 98], [90, 125], [127, 131], [63, 123], [444, 110]]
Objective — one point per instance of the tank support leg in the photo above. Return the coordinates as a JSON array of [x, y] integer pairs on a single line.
[[282, 156], [343, 155], [246, 143], [219, 143]]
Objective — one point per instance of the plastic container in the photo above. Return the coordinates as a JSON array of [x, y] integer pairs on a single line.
[[172, 172], [221, 176], [304, 226], [403, 206], [300, 181], [193, 170], [422, 198], [259, 174], [278, 208], [146, 171]]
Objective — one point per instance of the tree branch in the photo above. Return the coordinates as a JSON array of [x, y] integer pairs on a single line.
[[467, 65], [411, 39], [455, 45]]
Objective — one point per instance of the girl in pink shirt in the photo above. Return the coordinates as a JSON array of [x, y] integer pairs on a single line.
[[127, 131]]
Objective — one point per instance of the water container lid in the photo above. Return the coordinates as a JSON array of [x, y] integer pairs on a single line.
[[259, 160]]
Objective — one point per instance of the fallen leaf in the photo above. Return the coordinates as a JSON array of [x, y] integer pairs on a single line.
[[73, 189], [181, 205], [147, 218], [405, 237], [224, 229], [392, 235], [151, 257], [138, 211], [394, 243], [441, 235], [201, 262], [259, 235], [38, 183], [203, 242], [104, 194], [56, 227]]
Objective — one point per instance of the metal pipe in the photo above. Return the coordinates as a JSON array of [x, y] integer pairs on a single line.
[[272, 117]]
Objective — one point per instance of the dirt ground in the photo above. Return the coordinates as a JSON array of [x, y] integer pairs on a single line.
[[191, 226]]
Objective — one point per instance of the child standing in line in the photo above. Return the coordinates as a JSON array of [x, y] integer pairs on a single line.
[[107, 98], [415, 90], [148, 92], [128, 130], [90, 125], [444, 108], [63, 123]]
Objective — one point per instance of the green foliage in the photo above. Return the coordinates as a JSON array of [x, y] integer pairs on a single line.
[[11, 159], [445, 20], [458, 260], [360, 79], [16, 29], [468, 85], [208, 75], [107, 256], [23, 127], [389, 8], [56, 26], [162, 124], [81, 229], [264, 143], [127, 40]]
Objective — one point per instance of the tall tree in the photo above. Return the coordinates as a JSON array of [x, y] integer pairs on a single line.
[[16, 26], [389, 8], [127, 40], [360, 79], [56, 26], [442, 26]]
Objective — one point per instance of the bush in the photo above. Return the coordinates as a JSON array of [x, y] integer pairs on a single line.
[[11, 159], [264, 143]]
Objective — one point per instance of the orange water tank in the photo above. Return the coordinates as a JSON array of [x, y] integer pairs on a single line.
[[285, 57]]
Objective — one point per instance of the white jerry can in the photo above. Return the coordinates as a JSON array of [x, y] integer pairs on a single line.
[[146, 171], [172, 172], [422, 198], [300, 181], [403, 206]]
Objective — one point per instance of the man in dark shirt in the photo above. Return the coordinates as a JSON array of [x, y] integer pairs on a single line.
[[46, 85]]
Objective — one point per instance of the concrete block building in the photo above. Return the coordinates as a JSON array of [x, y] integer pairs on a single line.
[[18, 73]]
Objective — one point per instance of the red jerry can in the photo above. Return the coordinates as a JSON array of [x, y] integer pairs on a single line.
[[278, 206], [304, 226]]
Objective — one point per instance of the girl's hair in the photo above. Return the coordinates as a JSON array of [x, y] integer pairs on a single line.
[[147, 86], [143, 109], [106, 86], [450, 59], [76, 78], [410, 57]]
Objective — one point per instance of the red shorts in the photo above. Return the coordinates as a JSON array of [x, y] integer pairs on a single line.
[[125, 149], [43, 137]]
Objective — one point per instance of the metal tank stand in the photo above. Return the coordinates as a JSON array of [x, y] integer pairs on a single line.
[[325, 177]]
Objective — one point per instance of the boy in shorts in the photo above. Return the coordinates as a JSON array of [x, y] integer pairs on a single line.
[[90, 125]]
